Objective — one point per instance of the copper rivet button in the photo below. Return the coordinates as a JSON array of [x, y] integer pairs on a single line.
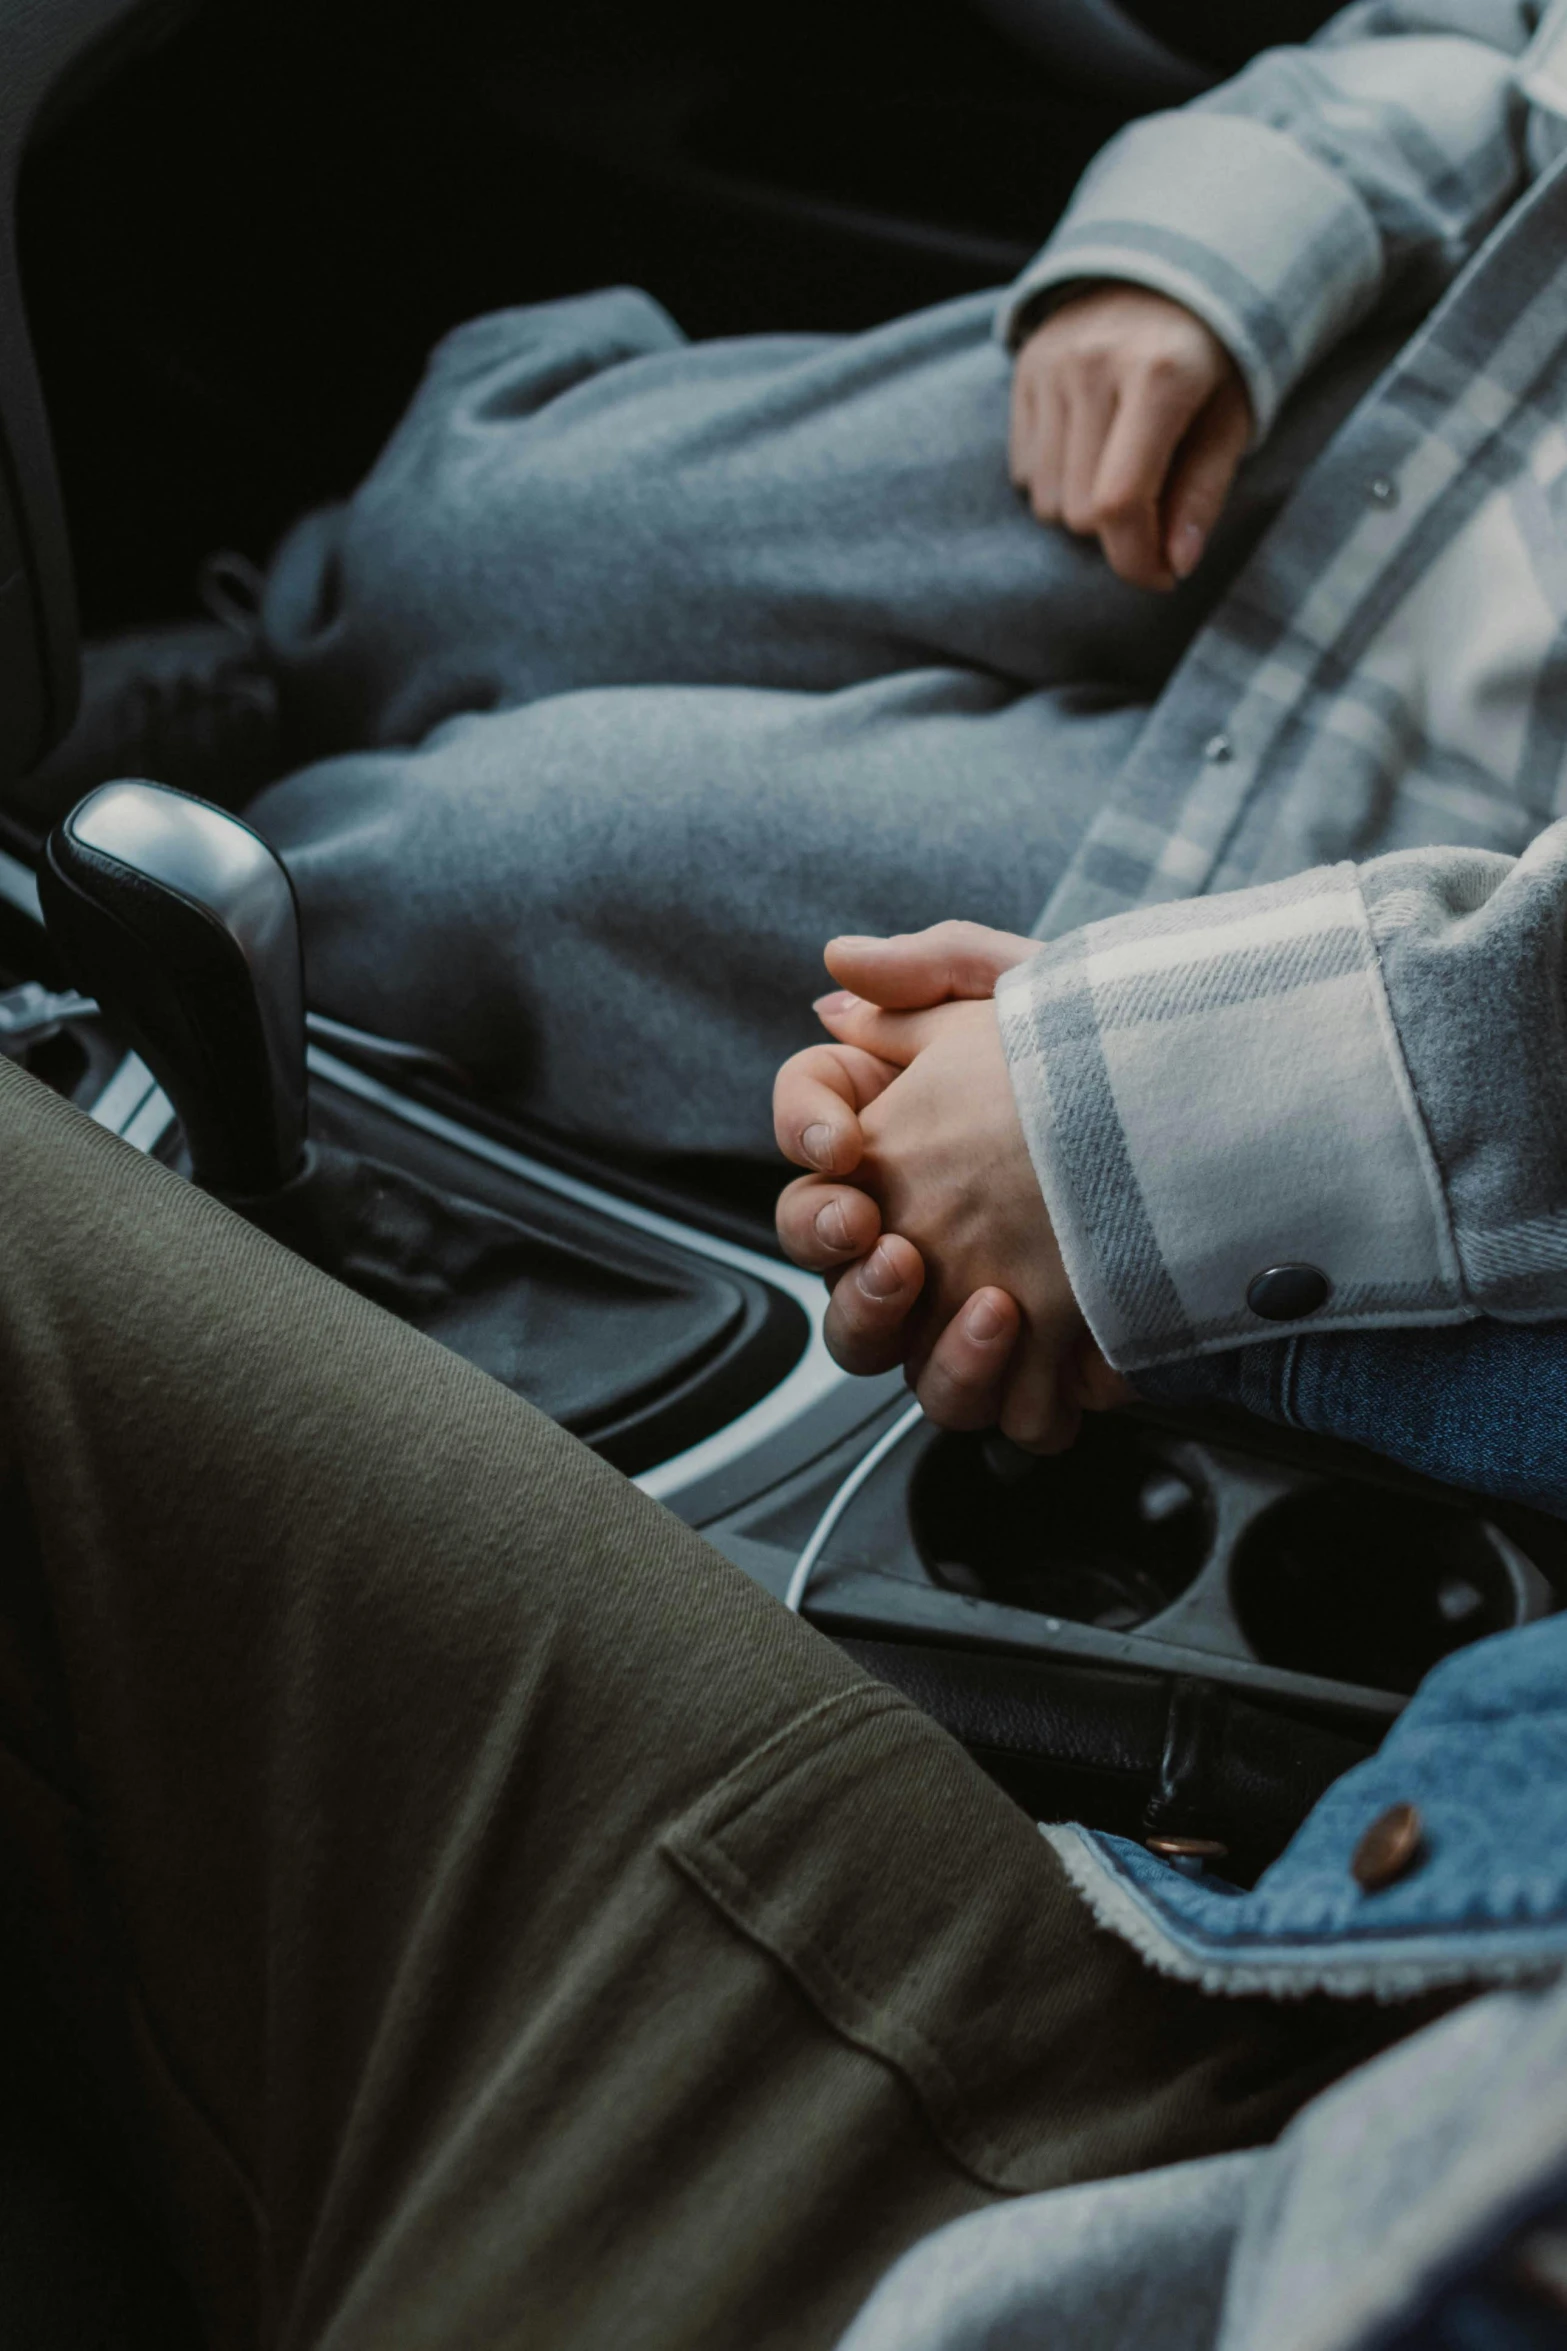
[[1187, 1848], [1287, 1293], [1390, 1847]]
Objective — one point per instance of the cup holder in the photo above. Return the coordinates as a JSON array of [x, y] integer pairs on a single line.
[[1368, 1586], [1108, 1534]]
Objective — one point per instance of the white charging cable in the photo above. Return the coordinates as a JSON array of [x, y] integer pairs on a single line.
[[821, 1533]]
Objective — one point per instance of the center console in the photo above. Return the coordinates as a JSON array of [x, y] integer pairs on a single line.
[[1183, 1629]]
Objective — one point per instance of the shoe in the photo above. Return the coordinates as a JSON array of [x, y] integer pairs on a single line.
[[191, 703]]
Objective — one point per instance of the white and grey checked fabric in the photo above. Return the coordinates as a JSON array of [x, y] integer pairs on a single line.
[[1216, 1087], [1363, 1069], [1318, 715], [1388, 673], [1320, 183]]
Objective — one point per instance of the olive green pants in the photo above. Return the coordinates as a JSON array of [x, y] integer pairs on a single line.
[[494, 1919]]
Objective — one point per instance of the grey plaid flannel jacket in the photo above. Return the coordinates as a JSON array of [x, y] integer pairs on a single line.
[[1245, 1048]]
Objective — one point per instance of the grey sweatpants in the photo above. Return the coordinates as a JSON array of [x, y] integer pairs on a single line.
[[642, 668], [493, 1920]]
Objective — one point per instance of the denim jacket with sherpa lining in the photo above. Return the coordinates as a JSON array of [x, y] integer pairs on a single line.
[[1481, 1751]]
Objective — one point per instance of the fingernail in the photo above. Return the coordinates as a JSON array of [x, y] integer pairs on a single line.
[[984, 1322], [832, 1225], [1187, 542], [837, 1002], [817, 1143], [879, 1277]]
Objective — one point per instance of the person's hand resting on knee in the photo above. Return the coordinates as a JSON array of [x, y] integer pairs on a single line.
[[1129, 418], [923, 1207]]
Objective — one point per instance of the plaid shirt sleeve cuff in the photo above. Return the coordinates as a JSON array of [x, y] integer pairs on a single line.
[[1234, 220], [1215, 1089]]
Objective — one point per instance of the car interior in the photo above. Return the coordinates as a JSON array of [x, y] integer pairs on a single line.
[[233, 229]]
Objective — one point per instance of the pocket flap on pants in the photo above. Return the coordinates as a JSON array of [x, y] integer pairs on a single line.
[[919, 1911]]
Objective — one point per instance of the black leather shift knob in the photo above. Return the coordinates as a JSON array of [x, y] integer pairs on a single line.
[[182, 923]]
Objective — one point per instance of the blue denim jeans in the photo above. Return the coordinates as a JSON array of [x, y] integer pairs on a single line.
[[1482, 1405]]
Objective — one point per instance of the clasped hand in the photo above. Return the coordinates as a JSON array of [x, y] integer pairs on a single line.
[[922, 1206], [1129, 419]]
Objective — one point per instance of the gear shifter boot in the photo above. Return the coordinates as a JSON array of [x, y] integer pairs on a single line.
[[588, 1338], [181, 921]]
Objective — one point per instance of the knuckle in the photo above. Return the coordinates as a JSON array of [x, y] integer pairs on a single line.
[[793, 1222], [1121, 507], [790, 1206], [1181, 362], [851, 1309], [1134, 566], [1041, 1431], [1027, 1413], [936, 1400], [845, 1339], [948, 1395]]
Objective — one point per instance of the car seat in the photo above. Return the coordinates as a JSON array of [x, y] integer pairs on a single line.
[[79, 2264]]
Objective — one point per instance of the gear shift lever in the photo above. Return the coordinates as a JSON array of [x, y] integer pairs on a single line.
[[180, 920], [182, 923]]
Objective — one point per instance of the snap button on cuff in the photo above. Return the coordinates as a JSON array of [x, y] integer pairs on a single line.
[[1218, 749], [1390, 1848], [1385, 490], [1285, 1293]]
